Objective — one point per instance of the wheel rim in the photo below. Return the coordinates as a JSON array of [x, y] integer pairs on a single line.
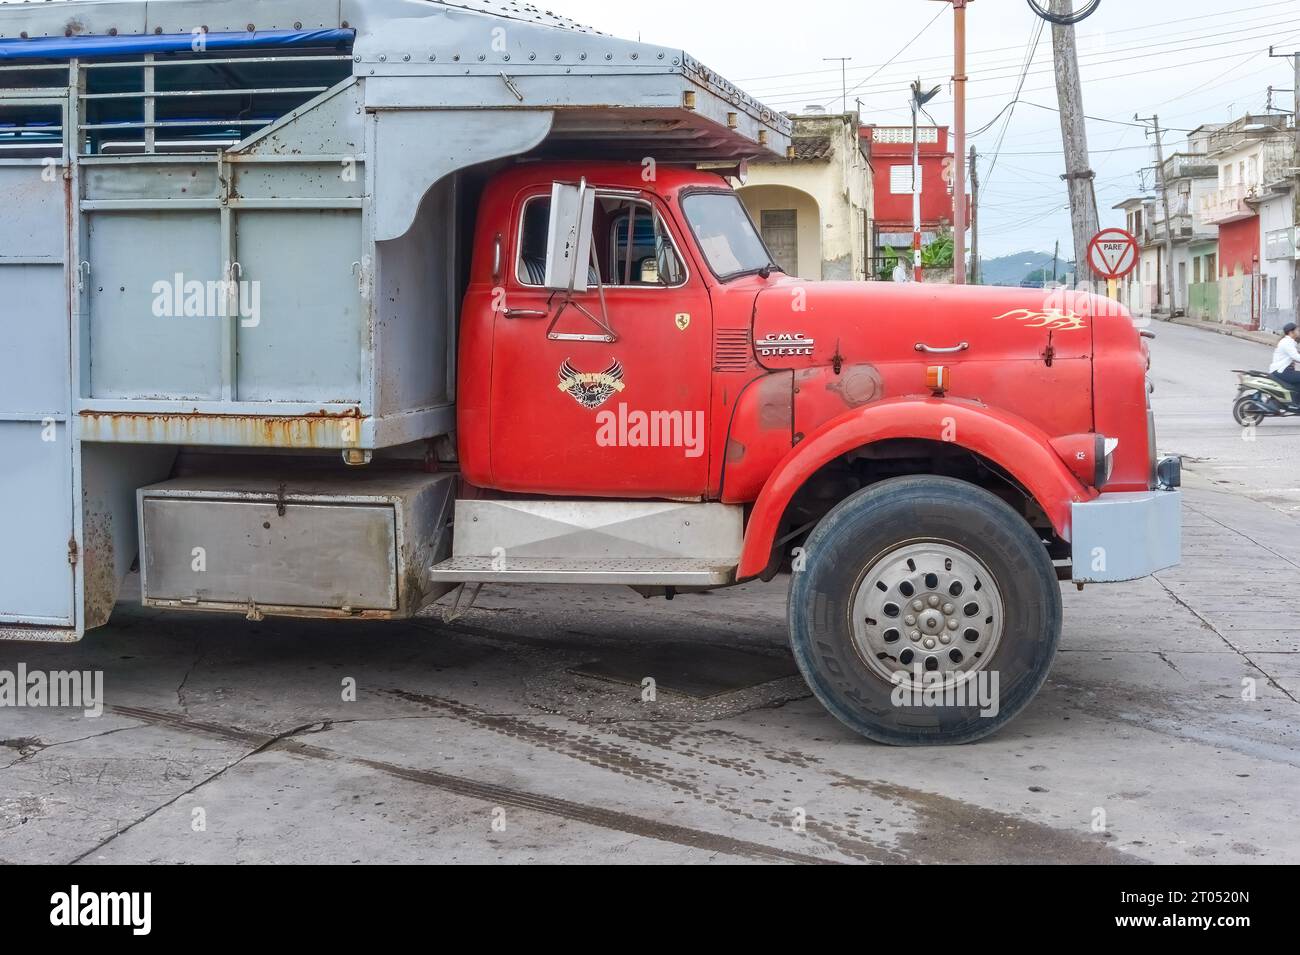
[[1249, 412], [927, 613]]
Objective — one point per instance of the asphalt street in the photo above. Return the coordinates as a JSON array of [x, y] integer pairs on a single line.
[[1167, 731]]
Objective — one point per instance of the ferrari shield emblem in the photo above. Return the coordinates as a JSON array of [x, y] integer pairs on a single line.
[[683, 320], [591, 389]]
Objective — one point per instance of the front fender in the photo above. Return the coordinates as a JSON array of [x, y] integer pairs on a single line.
[[1015, 445]]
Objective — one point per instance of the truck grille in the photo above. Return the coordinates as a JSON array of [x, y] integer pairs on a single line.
[[732, 350]]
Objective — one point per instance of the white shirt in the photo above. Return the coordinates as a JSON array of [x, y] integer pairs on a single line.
[[1285, 353]]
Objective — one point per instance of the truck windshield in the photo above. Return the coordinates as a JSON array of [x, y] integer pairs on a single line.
[[726, 234]]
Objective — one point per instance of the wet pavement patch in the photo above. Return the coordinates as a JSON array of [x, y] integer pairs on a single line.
[[689, 669]]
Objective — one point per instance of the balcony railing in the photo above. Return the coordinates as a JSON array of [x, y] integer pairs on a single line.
[[1227, 204]]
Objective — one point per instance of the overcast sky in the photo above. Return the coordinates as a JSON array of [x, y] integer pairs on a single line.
[[1189, 61]]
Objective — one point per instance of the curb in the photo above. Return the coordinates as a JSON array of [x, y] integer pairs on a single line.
[[1261, 338]]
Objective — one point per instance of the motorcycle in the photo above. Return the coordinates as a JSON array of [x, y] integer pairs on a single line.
[[1260, 396]]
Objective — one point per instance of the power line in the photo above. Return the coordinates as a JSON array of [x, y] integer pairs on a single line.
[[987, 71], [1163, 26], [889, 86], [1011, 107], [1102, 119], [901, 50]]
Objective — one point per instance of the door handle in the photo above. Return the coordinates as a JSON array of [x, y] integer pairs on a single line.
[[526, 313], [921, 346]]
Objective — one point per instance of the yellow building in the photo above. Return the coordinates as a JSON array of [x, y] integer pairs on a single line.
[[814, 209]]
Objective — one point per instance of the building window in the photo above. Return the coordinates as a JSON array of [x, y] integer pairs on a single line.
[[1227, 175], [1211, 267], [1196, 270], [1272, 291], [780, 229], [900, 180]]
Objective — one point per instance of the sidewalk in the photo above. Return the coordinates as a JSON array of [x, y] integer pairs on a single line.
[[1222, 328]]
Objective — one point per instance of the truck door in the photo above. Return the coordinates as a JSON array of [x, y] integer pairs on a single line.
[[36, 493], [575, 414]]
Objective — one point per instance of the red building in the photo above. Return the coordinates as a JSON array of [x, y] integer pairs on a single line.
[[890, 152]]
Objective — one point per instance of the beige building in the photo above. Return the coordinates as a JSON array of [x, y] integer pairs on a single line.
[[814, 209]]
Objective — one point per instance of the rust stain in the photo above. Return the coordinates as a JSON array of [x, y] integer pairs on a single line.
[[775, 403], [99, 571], [859, 385], [317, 429]]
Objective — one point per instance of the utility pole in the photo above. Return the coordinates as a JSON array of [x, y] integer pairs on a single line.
[[959, 140], [959, 147], [919, 99], [1164, 199], [916, 185], [1056, 256], [844, 79], [1074, 139], [974, 220]]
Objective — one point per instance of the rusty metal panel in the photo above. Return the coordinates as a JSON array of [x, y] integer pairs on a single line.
[[36, 584], [37, 576], [248, 552], [348, 544], [33, 200], [120, 178], [311, 338], [34, 331], [146, 341]]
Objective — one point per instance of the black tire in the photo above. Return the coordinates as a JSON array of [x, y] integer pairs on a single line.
[[1246, 411], [863, 530]]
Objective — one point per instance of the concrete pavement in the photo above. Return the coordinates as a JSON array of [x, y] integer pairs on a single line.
[[1167, 731]]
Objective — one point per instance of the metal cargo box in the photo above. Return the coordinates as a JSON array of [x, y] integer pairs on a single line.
[[323, 546]]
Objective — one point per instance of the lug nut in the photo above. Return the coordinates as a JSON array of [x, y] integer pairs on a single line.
[[915, 635], [910, 620], [952, 624], [918, 606], [945, 639], [948, 609], [932, 600], [929, 643]]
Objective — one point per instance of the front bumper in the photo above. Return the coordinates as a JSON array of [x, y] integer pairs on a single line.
[[1126, 535]]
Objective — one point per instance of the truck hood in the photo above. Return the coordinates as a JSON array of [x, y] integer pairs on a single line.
[[806, 324]]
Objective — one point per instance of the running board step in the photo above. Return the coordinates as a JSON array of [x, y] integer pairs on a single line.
[[645, 572], [566, 530]]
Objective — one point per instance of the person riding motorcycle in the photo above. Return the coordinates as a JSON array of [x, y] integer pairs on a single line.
[[1286, 357]]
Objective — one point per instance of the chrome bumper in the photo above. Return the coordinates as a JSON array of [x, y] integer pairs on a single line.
[[1126, 535]]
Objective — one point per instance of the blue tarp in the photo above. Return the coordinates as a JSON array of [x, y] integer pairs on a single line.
[[59, 48]]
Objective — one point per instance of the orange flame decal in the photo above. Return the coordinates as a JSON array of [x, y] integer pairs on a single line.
[[1053, 318]]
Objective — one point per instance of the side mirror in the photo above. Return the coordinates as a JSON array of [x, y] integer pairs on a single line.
[[568, 236]]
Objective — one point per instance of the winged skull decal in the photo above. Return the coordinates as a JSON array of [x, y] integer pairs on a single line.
[[591, 389]]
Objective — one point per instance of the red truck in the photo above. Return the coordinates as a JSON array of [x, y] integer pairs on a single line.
[[928, 461], [455, 304]]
